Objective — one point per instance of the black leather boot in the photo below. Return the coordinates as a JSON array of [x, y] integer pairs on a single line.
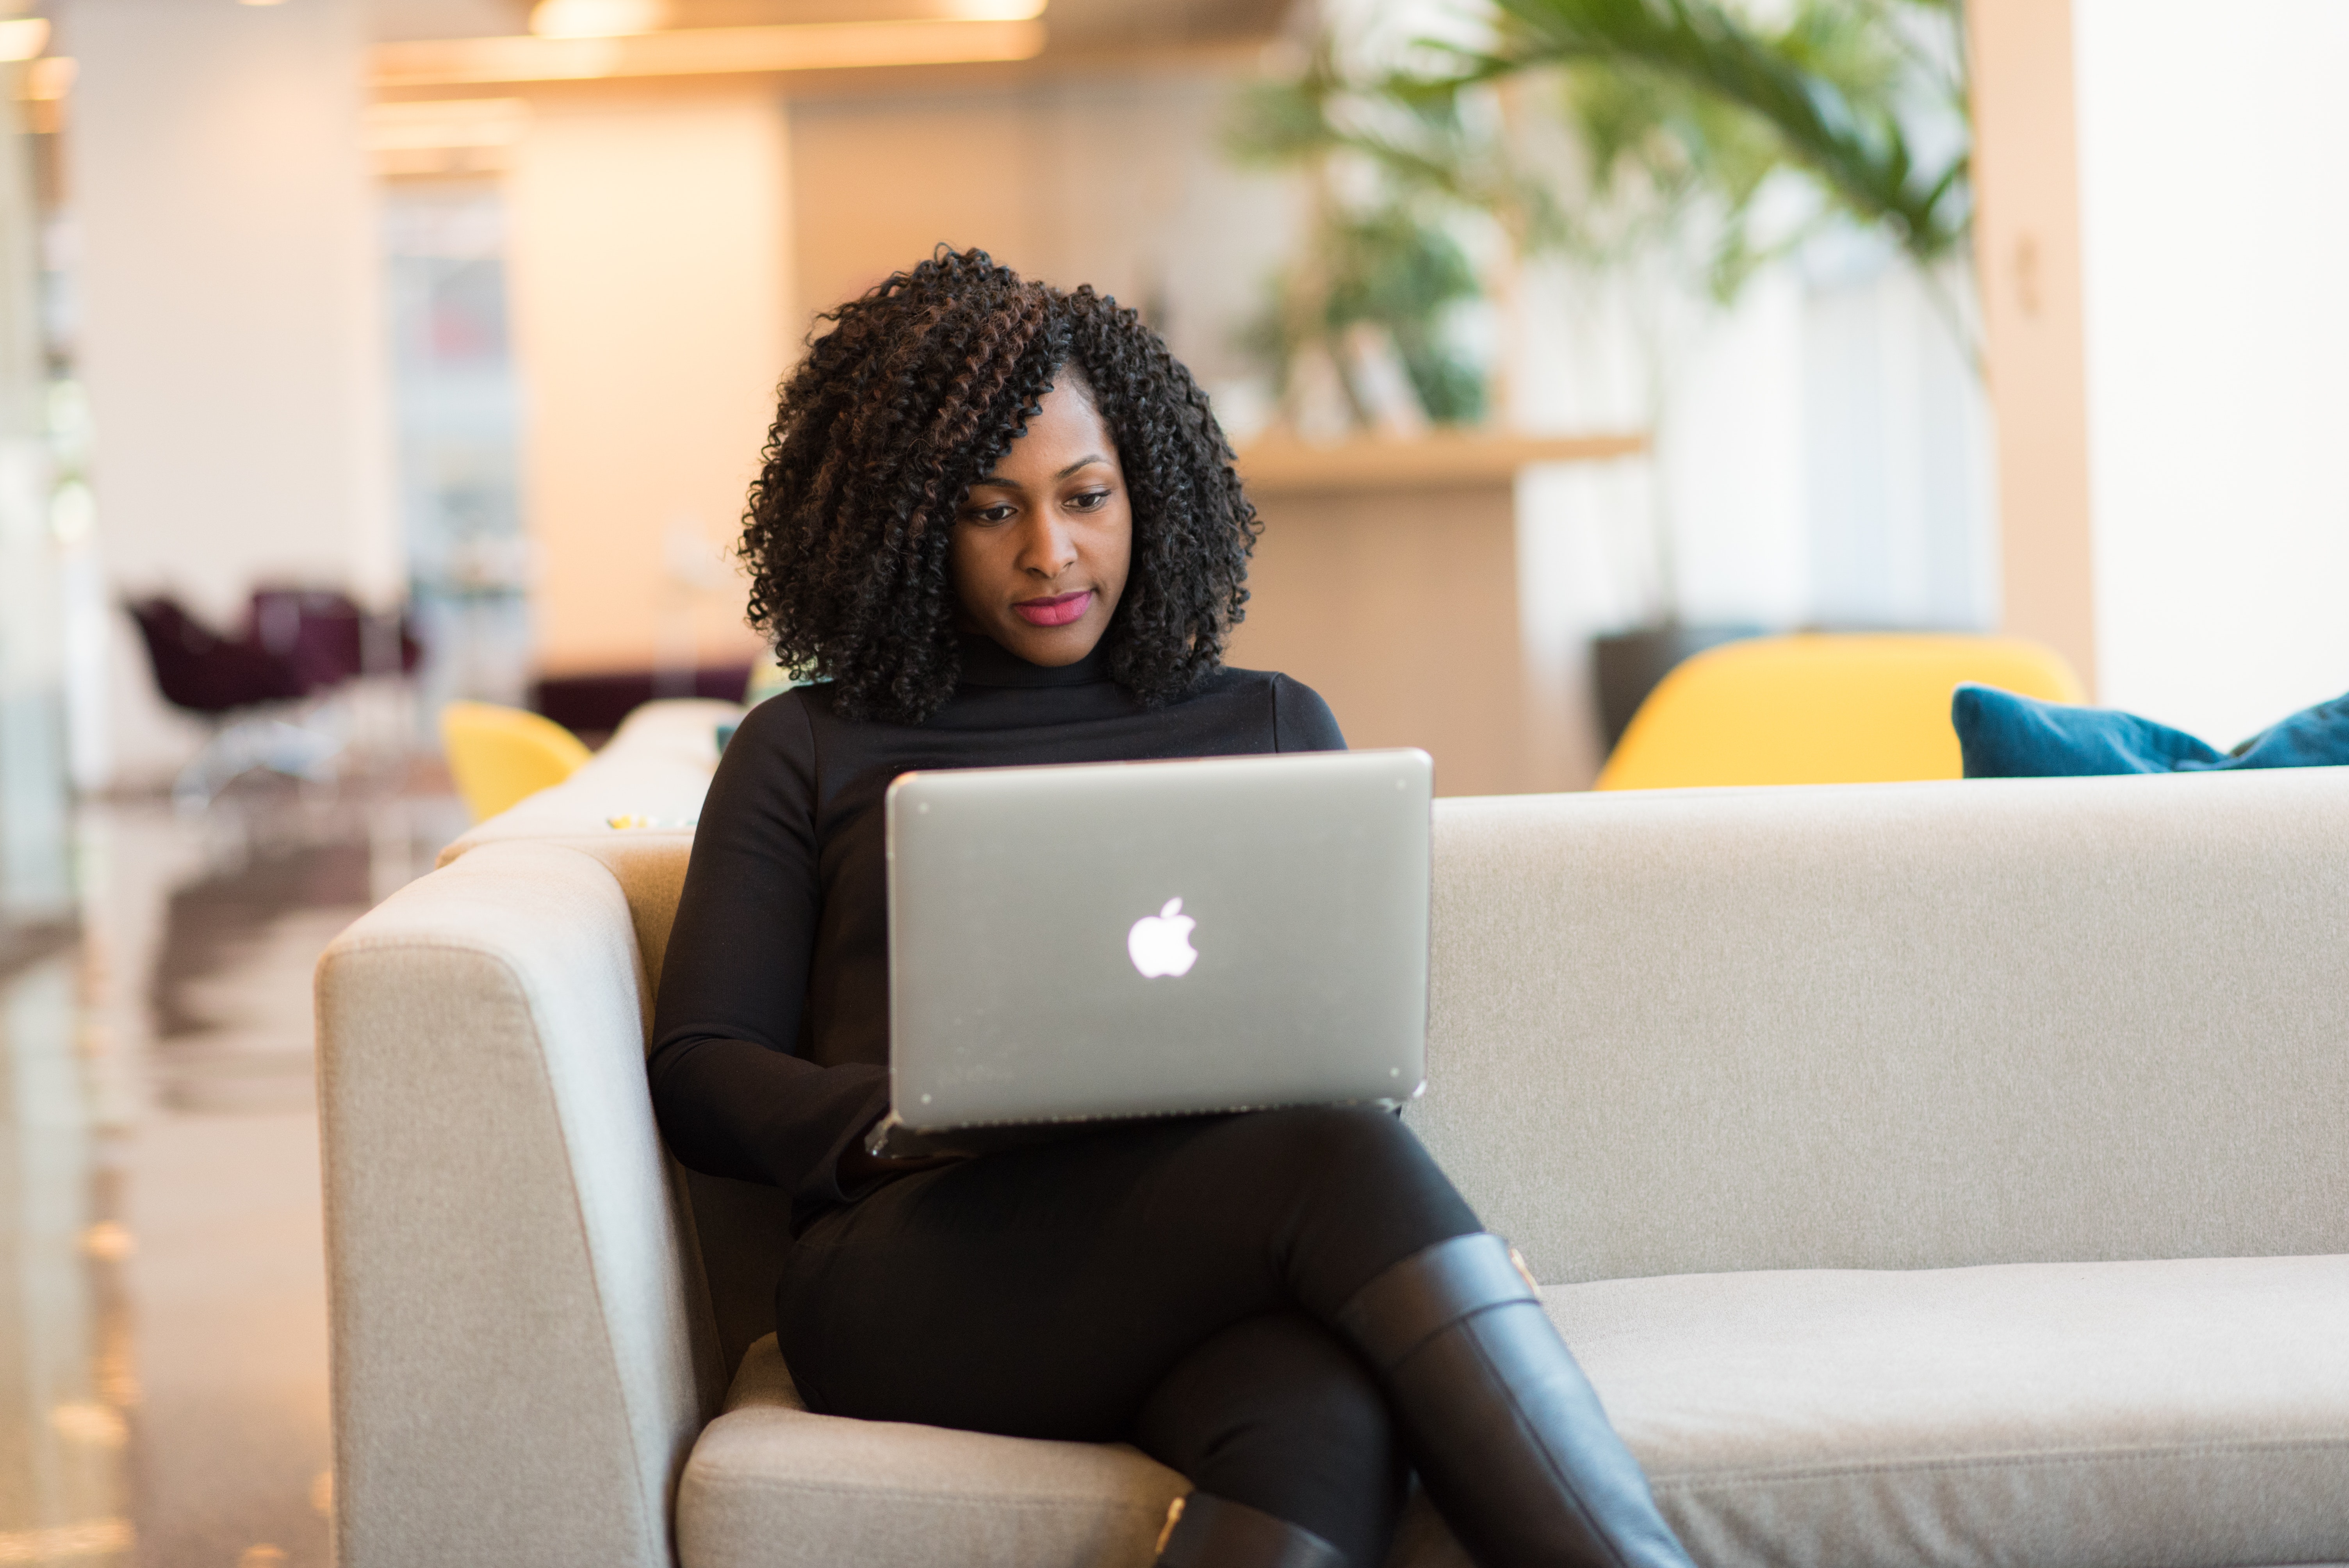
[[1507, 1434], [1203, 1532]]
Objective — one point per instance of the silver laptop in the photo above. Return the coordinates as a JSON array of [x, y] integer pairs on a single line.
[[1126, 939]]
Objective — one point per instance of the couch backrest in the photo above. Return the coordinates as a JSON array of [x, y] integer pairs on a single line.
[[1896, 1025], [1901, 1026]]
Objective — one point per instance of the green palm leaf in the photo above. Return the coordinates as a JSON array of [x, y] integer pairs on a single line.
[[1825, 89]]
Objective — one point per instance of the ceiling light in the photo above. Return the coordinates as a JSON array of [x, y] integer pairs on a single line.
[[24, 37], [597, 18]]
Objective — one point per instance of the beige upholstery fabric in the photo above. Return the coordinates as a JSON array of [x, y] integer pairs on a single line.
[[648, 864], [1898, 1026], [2190, 1414], [770, 1486], [2116, 1415], [655, 768], [1672, 1034], [521, 1351]]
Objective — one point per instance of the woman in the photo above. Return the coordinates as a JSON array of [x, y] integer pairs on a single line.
[[1000, 525]]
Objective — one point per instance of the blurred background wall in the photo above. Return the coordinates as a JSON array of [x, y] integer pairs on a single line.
[[225, 258], [652, 287], [2165, 333], [471, 312], [35, 873], [351, 298], [1113, 178]]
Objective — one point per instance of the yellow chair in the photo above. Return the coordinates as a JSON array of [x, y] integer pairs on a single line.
[[1822, 708], [500, 755]]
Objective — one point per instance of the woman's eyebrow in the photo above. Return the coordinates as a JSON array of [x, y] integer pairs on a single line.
[[999, 483]]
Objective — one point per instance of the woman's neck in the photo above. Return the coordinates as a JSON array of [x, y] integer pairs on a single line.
[[987, 663]]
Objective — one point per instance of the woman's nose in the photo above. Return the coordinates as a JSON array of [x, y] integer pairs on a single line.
[[1047, 548]]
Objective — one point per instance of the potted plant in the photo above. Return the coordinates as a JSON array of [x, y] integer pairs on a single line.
[[1678, 116]]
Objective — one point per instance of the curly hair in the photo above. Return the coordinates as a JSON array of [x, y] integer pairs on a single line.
[[914, 394]]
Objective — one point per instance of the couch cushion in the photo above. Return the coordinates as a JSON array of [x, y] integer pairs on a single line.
[[2129, 1414], [771, 1486], [2177, 1414]]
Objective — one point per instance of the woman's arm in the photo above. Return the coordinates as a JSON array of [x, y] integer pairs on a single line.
[[732, 1095]]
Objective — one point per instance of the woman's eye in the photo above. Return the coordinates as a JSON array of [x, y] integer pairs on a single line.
[[997, 513], [1091, 501]]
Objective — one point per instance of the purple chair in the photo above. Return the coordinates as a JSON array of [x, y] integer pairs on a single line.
[[300, 645], [203, 673], [327, 636]]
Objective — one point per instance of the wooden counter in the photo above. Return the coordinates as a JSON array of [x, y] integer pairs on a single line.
[[1447, 459], [1387, 580]]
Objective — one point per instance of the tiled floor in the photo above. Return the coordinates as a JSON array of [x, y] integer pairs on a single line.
[[162, 1302]]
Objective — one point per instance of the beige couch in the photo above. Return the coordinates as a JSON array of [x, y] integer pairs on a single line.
[[1926, 1175]]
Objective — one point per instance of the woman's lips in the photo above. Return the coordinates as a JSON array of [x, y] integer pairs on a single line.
[[1058, 611]]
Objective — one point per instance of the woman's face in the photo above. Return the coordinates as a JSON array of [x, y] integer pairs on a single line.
[[1041, 544]]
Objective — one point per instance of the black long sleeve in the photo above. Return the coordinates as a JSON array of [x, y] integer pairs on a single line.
[[770, 1037]]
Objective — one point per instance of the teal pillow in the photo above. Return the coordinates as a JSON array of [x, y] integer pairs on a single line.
[[2004, 736]]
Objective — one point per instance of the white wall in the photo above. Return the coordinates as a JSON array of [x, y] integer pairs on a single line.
[[2215, 255], [230, 341]]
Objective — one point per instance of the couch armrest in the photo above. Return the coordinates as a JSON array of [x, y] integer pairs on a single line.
[[522, 1347]]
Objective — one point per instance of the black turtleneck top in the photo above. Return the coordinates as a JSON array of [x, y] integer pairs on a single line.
[[770, 1038]]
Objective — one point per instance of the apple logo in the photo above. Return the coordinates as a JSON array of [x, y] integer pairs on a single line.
[[1160, 945]]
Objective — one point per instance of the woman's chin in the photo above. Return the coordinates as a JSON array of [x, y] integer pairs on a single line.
[[1052, 645]]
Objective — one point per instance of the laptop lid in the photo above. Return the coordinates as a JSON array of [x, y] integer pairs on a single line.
[[1146, 938]]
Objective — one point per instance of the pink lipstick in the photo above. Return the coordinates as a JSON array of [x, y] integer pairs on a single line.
[[1057, 611]]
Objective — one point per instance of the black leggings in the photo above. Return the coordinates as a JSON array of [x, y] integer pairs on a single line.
[[1168, 1284]]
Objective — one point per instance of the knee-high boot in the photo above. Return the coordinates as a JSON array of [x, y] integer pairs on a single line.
[[1203, 1532], [1507, 1435]]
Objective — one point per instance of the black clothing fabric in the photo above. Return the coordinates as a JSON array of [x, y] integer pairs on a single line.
[[1275, 1413], [1168, 1282], [770, 1037]]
